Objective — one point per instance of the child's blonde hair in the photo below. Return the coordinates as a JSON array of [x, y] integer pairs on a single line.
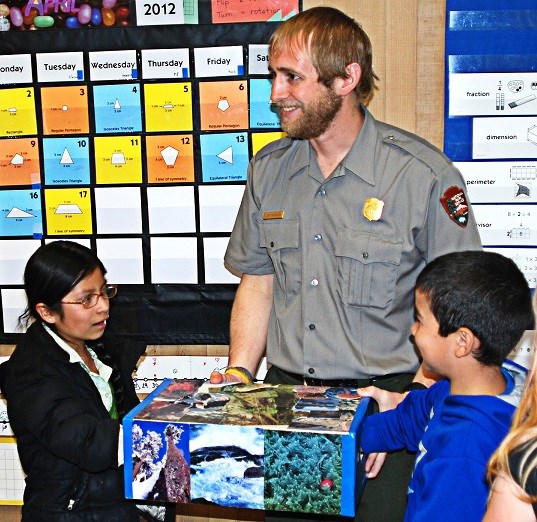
[[522, 435]]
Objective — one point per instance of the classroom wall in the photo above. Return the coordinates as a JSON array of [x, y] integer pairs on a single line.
[[408, 47]]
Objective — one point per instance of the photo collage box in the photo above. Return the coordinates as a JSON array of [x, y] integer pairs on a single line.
[[274, 447]]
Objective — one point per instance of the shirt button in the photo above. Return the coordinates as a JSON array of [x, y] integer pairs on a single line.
[[317, 237], [312, 327], [322, 192], [365, 255], [314, 282], [272, 243], [311, 371]]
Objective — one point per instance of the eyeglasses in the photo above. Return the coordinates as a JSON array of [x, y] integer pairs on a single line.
[[92, 299]]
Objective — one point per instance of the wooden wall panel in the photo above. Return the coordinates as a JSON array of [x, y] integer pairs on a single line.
[[408, 56], [429, 96]]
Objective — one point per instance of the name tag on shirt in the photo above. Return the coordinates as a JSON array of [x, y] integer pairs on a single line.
[[275, 214]]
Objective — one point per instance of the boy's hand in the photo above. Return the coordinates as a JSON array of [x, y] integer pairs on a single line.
[[386, 400], [373, 464]]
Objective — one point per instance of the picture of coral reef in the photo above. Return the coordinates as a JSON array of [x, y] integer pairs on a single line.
[[302, 472], [226, 465], [160, 462]]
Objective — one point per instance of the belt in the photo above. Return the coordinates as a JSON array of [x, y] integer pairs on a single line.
[[345, 383]]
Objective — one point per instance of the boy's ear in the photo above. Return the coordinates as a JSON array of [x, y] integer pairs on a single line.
[[45, 313], [466, 342]]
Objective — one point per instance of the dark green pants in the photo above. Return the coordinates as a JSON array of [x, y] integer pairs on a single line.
[[384, 497]]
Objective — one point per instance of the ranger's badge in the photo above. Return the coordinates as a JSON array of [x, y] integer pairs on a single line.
[[373, 209]]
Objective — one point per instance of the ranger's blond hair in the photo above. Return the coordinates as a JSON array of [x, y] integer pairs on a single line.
[[332, 40]]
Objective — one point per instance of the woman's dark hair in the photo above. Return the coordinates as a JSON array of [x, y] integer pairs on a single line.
[[53, 271], [483, 291]]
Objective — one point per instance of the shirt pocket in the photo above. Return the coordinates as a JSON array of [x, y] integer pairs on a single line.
[[281, 239], [367, 268]]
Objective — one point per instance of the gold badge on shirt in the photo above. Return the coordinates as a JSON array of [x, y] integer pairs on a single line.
[[373, 209]]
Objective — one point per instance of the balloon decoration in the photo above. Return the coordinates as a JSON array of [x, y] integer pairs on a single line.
[[71, 14]]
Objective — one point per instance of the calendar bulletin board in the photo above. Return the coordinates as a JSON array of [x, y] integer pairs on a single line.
[[134, 139]]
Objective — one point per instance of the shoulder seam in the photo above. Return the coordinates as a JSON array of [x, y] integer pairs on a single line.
[[417, 147], [273, 146]]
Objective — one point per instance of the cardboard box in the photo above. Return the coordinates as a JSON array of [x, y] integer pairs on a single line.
[[284, 448]]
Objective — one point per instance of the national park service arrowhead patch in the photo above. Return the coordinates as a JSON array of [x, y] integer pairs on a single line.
[[455, 205]]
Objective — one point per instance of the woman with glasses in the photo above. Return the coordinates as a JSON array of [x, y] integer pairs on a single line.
[[66, 393]]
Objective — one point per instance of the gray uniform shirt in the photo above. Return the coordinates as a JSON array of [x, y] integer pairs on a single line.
[[344, 285]]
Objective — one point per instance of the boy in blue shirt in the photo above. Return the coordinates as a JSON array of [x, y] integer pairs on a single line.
[[471, 310]]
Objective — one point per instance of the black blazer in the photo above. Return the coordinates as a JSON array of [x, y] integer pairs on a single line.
[[66, 439]]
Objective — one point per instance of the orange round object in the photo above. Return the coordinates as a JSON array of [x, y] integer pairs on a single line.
[[109, 17]]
